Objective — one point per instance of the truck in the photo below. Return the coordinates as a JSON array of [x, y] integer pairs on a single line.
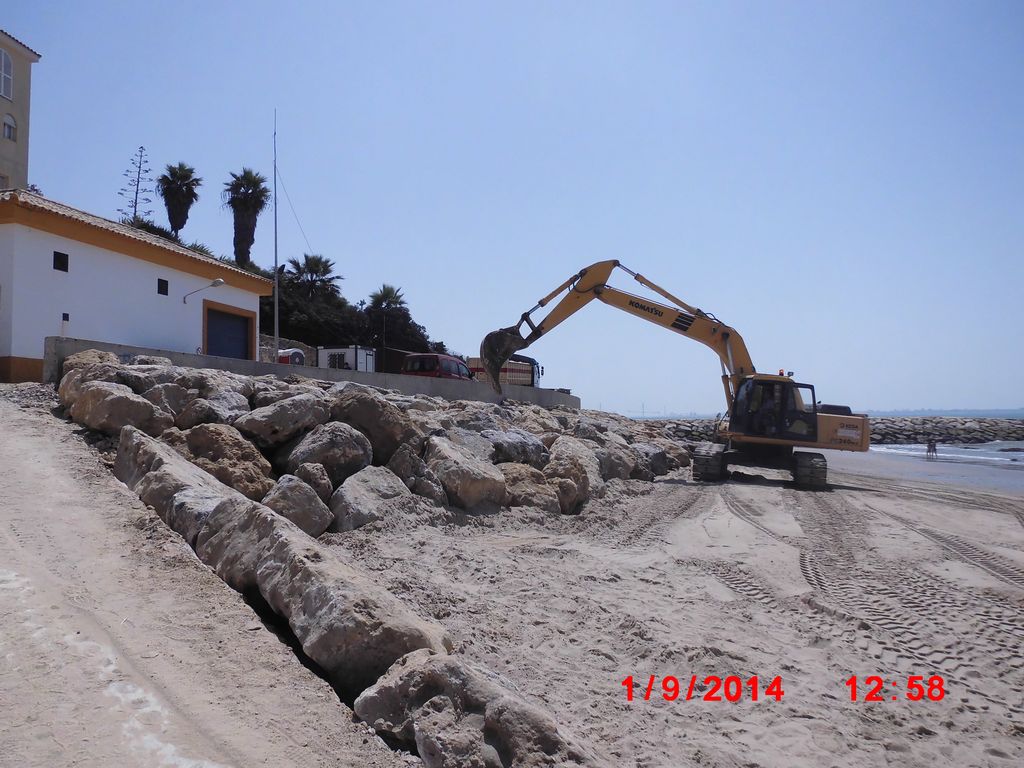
[[518, 369]]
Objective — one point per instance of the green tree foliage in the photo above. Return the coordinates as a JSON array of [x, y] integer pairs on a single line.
[[387, 297], [178, 186], [314, 312], [247, 196], [155, 229], [314, 275], [152, 227]]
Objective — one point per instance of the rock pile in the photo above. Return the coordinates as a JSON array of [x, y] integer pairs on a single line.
[[888, 430], [251, 470], [944, 429], [275, 441]]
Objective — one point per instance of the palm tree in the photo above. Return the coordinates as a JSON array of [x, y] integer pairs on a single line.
[[315, 275], [247, 196], [178, 187], [388, 297]]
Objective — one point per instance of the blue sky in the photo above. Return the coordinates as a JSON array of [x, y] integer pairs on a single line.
[[841, 182]]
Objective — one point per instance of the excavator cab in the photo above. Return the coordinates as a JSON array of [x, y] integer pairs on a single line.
[[775, 407]]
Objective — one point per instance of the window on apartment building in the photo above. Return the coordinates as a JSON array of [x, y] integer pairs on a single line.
[[161, 286], [10, 128], [60, 261], [6, 75]]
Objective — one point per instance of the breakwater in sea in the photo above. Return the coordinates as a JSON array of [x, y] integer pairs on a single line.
[[891, 430]]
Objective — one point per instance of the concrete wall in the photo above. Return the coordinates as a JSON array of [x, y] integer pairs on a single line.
[[58, 348], [6, 294], [107, 295]]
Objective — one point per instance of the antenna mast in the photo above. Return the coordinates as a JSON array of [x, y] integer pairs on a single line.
[[277, 326]]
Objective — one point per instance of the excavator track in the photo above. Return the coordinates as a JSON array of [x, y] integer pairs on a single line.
[[810, 471], [709, 463]]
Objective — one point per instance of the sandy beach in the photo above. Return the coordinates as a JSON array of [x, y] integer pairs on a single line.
[[119, 647]]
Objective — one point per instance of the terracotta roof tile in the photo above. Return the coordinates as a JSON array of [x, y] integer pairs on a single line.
[[5, 32]]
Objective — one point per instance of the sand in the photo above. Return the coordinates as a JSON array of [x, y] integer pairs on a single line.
[[887, 576], [118, 648]]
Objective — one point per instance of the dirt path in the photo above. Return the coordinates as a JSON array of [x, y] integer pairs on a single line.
[[117, 647]]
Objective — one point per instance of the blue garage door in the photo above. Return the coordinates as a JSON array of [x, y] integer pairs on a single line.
[[227, 335]]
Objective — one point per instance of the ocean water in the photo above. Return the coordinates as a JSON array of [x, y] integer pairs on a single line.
[[1008, 454]]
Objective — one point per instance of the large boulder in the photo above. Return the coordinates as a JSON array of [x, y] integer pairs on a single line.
[[169, 397], [295, 500], [341, 449], [315, 476], [677, 454], [182, 494], [473, 443], [70, 387], [616, 462], [88, 357], [453, 713], [476, 416], [527, 487], [430, 422], [352, 386], [384, 424], [221, 450], [221, 397], [567, 475], [518, 446], [151, 360], [279, 422], [566, 447], [221, 407], [351, 627], [468, 482], [363, 497], [211, 381], [417, 476], [269, 392], [538, 421], [590, 429], [651, 461], [107, 407]]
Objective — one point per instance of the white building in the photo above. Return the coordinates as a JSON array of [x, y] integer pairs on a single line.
[[64, 272]]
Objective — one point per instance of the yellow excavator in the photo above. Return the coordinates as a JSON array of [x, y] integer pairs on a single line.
[[767, 416]]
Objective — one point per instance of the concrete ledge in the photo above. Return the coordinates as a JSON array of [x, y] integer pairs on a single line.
[[57, 348]]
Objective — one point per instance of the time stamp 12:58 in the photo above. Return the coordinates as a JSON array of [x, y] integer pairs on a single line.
[[871, 688], [913, 688]]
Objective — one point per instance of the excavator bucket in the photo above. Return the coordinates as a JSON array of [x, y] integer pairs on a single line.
[[497, 347]]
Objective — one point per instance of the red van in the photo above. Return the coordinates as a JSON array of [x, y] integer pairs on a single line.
[[435, 365]]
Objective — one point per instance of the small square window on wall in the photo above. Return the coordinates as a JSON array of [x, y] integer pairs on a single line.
[[161, 286], [60, 261]]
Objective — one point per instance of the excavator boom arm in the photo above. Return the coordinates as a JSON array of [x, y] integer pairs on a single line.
[[592, 283]]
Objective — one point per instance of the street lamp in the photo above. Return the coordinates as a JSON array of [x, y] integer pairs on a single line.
[[215, 284]]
